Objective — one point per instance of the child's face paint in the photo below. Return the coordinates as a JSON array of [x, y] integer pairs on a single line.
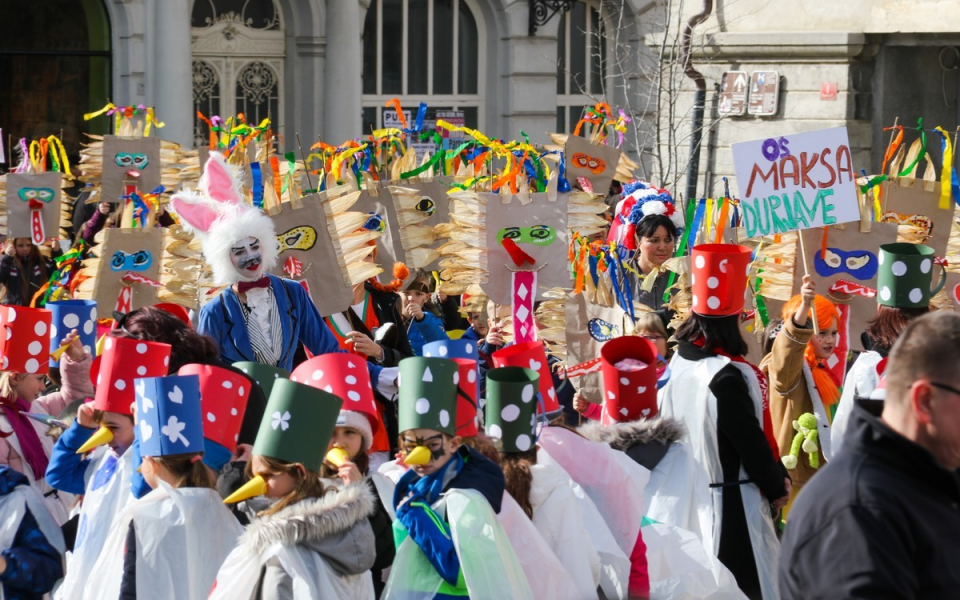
[[441, 448], [278, 484], [348, 439], [247, 258], [121, 426]]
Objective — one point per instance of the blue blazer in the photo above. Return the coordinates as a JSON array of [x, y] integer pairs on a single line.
[[222, 319]]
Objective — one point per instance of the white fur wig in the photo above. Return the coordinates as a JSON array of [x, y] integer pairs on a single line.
[[220, 218]]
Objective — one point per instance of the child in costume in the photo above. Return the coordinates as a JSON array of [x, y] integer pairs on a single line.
[[348, 459], [464, 552], [677, 493], [896, 307], [476, 309], [312, 542], [420, 322], [25, 445], [172, 541], [31, 561], [720, 398], [542, 490], [103, 478], [23, 271], [258, 317], [799, 380]]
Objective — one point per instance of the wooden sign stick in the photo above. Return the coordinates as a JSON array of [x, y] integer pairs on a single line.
[[813, 307]]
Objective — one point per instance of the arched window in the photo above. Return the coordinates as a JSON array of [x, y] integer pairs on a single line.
[[238, 53], [422, 51], [581, 63], [54, 67]]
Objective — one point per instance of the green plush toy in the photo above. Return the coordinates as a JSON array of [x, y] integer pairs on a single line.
[[807, 438]]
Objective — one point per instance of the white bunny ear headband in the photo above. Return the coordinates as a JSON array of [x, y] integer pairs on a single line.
[[220, 218]]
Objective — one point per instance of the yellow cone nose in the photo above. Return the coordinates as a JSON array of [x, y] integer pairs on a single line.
[[420, 455], [255, 487], [99, 438], [337, 456]]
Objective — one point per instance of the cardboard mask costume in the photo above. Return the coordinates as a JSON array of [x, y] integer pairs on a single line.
[[33, 206], [129, 162]]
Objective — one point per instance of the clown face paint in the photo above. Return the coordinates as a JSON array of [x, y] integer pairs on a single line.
[[247, 258]]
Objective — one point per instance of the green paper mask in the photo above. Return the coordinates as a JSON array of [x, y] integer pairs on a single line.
[[428, 394], [264, 375], [511, 411], [905, 274], [298, 424]]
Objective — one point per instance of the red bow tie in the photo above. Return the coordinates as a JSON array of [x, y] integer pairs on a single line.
[[244, 286]]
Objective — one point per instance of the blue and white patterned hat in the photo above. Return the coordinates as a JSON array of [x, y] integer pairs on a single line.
[[169, 415], [451, 349], [69, 315]]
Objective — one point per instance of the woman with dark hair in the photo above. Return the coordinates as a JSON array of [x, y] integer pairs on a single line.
[[897, 305], [23, 271], [721, 398], [153, 324], [648, 223]]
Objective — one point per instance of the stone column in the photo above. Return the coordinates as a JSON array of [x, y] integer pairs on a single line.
[[342, 83], [172, 93]]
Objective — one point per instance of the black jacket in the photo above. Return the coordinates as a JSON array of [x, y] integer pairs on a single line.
[[396, 346], [14, 273], [881, 521]]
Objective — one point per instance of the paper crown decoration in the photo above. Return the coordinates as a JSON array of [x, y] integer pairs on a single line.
[[68, 315], [169, 415], [629, 392], [719, 279], [905, 274], [465, 354], [124, 360], [264, 375], [223, 397], [298, 424], [511, 413], [451, 349], [428, 394], [25, 342], [345, 376], [531, 355]]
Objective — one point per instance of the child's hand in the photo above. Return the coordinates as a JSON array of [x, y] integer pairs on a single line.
[[74, 348], [349, 473], [413, 311], [495, 335], [85, 416], [10, 250], [579, 402], [242, 453]]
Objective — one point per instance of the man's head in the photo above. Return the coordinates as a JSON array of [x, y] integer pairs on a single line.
[[246, 256], [923, 386], [441, 447]]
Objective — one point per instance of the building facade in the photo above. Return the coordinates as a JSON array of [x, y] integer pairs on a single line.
[[317, 68]]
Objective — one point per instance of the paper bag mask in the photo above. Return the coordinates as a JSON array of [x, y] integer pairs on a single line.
[[539, 229], [123, 156], [33, 206], [382, 216], [307, 254], [128, 268], [588, 327], [597, 164], [850, 256]]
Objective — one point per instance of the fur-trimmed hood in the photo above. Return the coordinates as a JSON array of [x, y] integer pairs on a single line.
[[623, 436], [335, 526]]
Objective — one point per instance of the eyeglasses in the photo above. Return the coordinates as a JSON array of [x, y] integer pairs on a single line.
[[945, 387], [653, 336]]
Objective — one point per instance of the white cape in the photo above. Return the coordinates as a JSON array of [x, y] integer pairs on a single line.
[[860, 381], [183, 536]]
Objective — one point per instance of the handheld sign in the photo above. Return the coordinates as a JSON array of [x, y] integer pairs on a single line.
[[795, 182]]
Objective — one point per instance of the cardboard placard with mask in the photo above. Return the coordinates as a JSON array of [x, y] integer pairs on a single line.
[[129, 162]]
